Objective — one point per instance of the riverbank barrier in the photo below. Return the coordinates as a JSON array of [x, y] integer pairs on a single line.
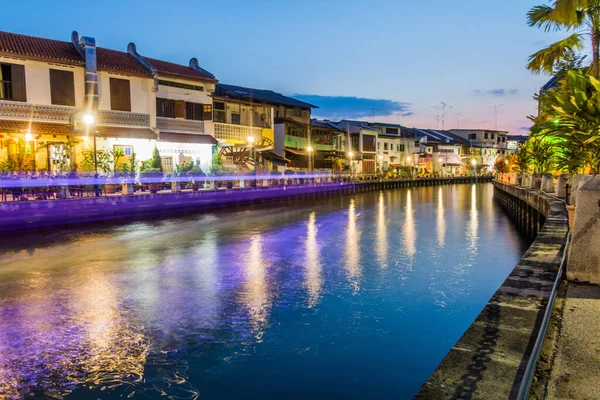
[[36, 214], [495, 357]]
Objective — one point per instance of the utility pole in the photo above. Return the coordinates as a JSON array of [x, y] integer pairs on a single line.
[[496, 107], [373, 110], [458, 115], [437, 116], [443, 114]]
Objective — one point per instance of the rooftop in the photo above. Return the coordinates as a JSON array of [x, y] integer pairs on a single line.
[[259, 95], [119, 61], [14, 44], [180, 71]]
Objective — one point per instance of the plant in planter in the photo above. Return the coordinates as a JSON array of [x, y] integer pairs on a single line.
[[181, 171], [196, 174], [152, 176]]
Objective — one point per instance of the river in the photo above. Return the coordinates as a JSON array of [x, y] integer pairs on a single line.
[[350, 297]]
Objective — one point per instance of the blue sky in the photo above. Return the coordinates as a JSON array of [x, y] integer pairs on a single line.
[[399, 57]]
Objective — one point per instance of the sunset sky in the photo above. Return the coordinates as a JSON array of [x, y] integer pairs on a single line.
[[401, 58]]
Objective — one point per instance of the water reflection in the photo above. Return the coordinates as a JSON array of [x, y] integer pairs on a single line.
[[352, 247], [313, 277], [255, 288], [408, 230], [472, 229], [382, 242], [440, 220]]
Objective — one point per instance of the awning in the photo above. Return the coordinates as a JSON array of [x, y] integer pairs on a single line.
[[35, 128], [187, 138], [126, 133], [275, 158]]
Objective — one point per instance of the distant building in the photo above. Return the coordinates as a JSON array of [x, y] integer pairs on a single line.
[[486, 145], [514, 142], [359, 139]]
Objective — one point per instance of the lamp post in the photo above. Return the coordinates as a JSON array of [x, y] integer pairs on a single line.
[[89, 121], [250, 140], [351, 155], [309, 149]]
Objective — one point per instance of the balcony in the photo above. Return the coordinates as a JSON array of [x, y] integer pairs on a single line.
[[237, 134], [177, 125], [123, 118], [15, 110]]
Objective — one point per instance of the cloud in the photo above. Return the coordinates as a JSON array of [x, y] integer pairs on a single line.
[[339, 107], [524, 128], [497, 92]]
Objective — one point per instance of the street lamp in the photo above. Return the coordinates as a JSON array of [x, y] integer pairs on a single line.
[[250, 140], [89, 120], [351, 155], [474, 163]]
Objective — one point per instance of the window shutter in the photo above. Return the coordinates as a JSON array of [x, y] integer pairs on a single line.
[[120, 95], [19, 92], [62, 87], [207, 112], [179, 109]]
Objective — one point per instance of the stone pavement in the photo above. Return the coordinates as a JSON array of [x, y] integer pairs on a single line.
[[571, 369]]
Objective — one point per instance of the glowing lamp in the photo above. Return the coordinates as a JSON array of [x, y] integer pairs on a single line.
[[350, 154], [250, 139], [28, 137], [88, 119], [309, 149], [380, 158], [474, 162]]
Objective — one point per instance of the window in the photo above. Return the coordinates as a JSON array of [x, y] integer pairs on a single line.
[[503, 139], [369, 143], [385, 146], [193, 111], [378, 145], [391, 131], [354, 144], [472, 136], [12, 82], [297, 112], [493, 136], [120, 95], [207, 112], [219, 114], [127, 150], [62, 87], [235, 118], [165, 108], [485, 135], [180, 85], [400, 147]]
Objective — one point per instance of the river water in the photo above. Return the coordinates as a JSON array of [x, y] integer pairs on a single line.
[[346, 297]]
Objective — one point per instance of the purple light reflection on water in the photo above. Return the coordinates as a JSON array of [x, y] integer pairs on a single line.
[[214, 305]]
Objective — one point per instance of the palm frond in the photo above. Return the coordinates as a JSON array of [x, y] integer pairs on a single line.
[[543, 17], [545, 59]]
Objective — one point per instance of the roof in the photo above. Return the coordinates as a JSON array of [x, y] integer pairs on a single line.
[[35, 128], [180, 71], [119, 61], [517, 138], [259, 95], [552, 83], [39, 48], [351, 126], [324, 124]]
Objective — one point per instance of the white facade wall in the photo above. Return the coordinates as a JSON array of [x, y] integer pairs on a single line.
[[142, 97], [37, 80]]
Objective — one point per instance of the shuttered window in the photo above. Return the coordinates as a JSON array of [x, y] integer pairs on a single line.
[[12, 82], [165, 108], [120, 95], [62, 87], [193, 111], [207, 112]]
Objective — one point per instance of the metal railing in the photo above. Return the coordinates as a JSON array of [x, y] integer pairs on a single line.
[[529, 373]]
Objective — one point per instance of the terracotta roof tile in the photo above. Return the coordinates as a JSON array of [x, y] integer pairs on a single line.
[[119, 61], [36, 128], [39, 48], [181, 71]]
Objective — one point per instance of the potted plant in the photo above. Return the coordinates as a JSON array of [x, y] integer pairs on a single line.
[[152, 176], [196, 174]]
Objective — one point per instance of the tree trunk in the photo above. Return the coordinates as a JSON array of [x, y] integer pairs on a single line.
[[595, 53]]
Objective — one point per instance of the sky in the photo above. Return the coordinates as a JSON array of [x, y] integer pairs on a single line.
[[392, 60]]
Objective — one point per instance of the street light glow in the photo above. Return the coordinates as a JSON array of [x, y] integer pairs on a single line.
[[380, 157], [309, 149], [350, 154], [28, 137], [250, 139], [88, 119], [474, 162]]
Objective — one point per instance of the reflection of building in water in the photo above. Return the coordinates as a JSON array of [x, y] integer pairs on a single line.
[[69, 333], [440, 221], [408, 230], [255, 288], [313, 277], [352, 247], [382, 242], [472, 229]]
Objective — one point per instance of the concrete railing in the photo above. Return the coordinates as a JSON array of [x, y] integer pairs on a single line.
[[236, 133], [490, 359]]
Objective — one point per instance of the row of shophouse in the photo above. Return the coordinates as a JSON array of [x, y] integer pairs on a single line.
[[74, 97]]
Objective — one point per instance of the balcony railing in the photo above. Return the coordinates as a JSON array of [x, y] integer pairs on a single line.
[[120, 118], [237, 133], [35, 112], [179, 125]]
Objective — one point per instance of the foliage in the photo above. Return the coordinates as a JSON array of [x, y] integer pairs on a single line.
[[196, 171], [184, 168], [62, 154], [104, 161], [133, 163], [542, 154], [155, 161], [522, 159], [217, 163], [501, 165], [582, 17], [151, 173], [573, 127]]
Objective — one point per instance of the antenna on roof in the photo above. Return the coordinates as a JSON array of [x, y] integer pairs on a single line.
[[437, 116], [443, 114], [373, 110], [458, 115], [496, 107]]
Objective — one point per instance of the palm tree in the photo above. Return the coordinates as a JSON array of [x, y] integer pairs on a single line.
[[580, 16]]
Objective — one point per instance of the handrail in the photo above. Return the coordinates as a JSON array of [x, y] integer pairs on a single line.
[[529, 373]]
